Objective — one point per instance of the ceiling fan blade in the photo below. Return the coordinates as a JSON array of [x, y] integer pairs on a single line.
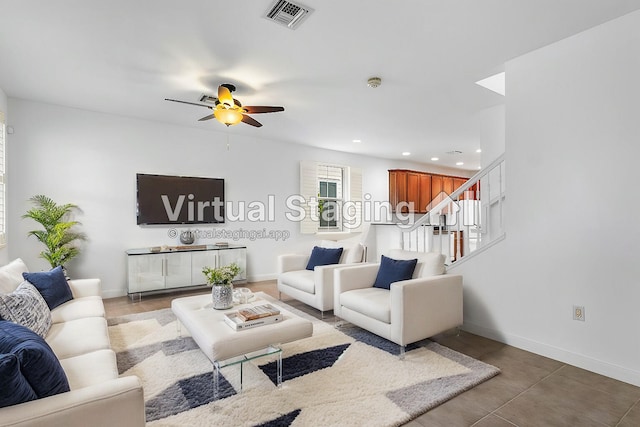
[[262, 109], [209, 117], [251, 121], [186, 102], [224, 96]]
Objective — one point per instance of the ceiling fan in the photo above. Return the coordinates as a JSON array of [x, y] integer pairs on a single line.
[[230, 111]]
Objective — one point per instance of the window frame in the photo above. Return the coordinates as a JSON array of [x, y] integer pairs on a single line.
[[350, 183], [3, 181]]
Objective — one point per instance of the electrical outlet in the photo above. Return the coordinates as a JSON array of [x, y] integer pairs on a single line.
[[578, 312]]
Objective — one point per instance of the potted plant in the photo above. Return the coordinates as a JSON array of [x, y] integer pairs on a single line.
[[221, 281], [59, 234]]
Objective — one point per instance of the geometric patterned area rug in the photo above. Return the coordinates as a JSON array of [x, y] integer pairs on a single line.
[[337, 377]]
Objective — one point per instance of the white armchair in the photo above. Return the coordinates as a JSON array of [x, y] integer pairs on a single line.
[[315, 287], [411, 310]]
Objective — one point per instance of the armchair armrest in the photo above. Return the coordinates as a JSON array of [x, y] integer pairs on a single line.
[[323, 277], [85, 287], [117, 402], [292, 262], [358, 276], [423, 307]]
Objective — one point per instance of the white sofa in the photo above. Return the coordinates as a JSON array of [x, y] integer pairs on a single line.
[[411, 310], [79, 338], [315, 287]]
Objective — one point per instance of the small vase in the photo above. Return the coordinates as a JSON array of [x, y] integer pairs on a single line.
[[222, 295]]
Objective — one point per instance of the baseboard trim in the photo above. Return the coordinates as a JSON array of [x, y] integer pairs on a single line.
[[261, 277], [114, 293], [575, 359]]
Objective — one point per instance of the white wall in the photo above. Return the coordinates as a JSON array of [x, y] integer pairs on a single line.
[[571, 156], [4, 252], [91, 159], [491, 129]]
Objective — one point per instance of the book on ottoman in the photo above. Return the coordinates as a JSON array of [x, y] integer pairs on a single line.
[[257, 312], [234, 320]]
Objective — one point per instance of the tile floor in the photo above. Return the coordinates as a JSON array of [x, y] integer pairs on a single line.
[[530, 391]]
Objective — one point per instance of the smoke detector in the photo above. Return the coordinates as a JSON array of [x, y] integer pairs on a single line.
[[374, 82], [288, 13]]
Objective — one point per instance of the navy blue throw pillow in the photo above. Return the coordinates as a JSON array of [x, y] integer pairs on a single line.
[[52, 285], [323, 256], [394, 270], [15, 388], [38, 364]]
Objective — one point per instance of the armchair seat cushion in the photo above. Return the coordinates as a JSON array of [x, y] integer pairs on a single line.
[[371, 302], [300, 279]]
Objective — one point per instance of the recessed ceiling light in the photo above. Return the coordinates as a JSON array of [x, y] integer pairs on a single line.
[[357, 141], [435, 159], [459, 163], [406, 153], [479, 150], [494, 83]]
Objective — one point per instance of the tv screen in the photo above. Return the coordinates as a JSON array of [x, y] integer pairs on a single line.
[[164, 199]]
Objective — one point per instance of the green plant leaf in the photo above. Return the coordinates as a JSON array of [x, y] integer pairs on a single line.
[[59, 233]]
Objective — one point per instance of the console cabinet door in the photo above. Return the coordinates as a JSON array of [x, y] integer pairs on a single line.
[[146, 272], [237, 255], [177, 269], [199, 260]]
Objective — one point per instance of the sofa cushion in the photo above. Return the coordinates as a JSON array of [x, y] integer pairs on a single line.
[[52, 285], [15, 387], [38, 364], [91, 368], [78, 336], [371, 302], [394, 270], [11, 275], [299, 279], [26, 306], [78, 308], [323, 256]]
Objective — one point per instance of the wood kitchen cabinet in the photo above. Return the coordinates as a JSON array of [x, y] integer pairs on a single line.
[[419, 188]]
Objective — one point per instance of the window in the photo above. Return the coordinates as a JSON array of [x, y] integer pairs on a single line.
[[2, 182], [330, 197], [333, 198]]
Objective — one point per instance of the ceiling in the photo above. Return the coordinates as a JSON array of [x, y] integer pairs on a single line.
[[126, 56]]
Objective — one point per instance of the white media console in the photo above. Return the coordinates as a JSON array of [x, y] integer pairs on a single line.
[[154, 269]]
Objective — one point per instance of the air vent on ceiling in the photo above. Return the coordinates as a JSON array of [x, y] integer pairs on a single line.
[[288, 14]]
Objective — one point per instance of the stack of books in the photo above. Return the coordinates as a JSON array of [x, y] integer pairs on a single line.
[[251, 317]]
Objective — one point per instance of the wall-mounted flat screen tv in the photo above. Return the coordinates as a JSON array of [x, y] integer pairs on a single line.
[[164, 199]]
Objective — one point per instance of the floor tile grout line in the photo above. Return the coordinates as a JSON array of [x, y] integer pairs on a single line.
[[628, 411], [524, 391], [492, 415]]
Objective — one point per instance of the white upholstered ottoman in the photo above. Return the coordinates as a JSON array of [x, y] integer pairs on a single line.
[[220, 343]]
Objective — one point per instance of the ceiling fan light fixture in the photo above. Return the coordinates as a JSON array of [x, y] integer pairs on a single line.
[[228, 117], [374, 82]]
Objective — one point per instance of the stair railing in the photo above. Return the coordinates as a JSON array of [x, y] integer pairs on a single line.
[[464, 222]]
